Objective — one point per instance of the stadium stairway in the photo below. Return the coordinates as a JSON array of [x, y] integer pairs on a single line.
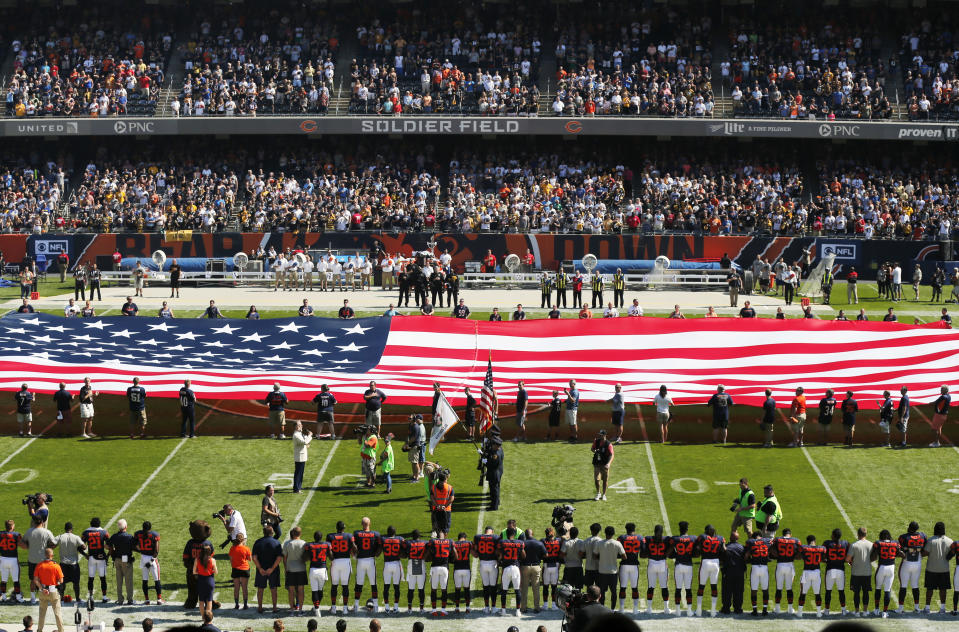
[[174, 79]]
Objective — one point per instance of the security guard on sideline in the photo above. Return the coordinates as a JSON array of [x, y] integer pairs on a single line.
[[545, 290], [826, 285], [769, 513], [441, 503], [619, 288], [597, 287], [744, 507], [561, 282]]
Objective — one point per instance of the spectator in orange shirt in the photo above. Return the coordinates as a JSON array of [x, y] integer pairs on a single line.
[[240, 556], [585, 313], [797, 415], [46, 577]]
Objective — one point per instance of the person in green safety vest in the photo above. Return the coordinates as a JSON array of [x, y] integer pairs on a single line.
[[744, 507], [769, 513], [562, 280], [387, 462], [368, 444], [597, 284], [826, 285], [619, 288]]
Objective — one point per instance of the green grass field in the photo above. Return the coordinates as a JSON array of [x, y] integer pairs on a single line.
[[171, 481]]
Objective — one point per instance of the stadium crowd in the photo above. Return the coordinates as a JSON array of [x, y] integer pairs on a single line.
[[89, 63], [304, 189], [453, 63], [928, 57], [640, 61], [812, 64], [277, 63]]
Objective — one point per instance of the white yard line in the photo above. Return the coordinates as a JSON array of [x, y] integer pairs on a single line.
[[26, 445], [825, 484], [654, 473], [316, 481], [149, 480], [156, 472]]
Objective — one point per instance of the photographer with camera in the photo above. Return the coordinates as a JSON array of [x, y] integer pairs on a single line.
[[602, 460], [37, 507], [269, 512], [416, 446], [366, 435], [233, 523], [584, 610]]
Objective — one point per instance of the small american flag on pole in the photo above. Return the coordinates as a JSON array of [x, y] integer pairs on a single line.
[[488, 401]]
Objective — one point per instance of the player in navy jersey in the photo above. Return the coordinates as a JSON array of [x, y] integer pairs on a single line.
[[785, 549], [813, 556], [629, 566], [827, 408], [837, 550], [367, 548], [681, 550], [509, 552], [392, 547], [325, 401], [656, 547], [146, 542], [95, 540], [439, 552], [9, 561], [912, 543], [462, 576], [884, 552], [317, 553], [484, 548], [757, 554], [136, 398], [710, 547], [415, 552], [187, 410], [341, 548]]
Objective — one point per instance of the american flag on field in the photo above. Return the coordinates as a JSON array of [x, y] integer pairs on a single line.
[[241, 359], [488, 400]]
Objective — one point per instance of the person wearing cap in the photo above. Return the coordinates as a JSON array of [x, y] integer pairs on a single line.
[[387, 462], [720, 403], [233, 522], [416, 446], [276, 401], [441, 503], [368, 447], [269, 511], [602, 460]]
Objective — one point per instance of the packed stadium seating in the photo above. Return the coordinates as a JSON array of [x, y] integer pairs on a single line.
[[928, 57], [644, 61], [251, 63], [88, 62], [822, 64]]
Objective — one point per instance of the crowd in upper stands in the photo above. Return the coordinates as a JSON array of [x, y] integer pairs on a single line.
[[240, 65], [90, 62], [822, 64], [789, 61], [928, 55], [646, 61], [456, 60]]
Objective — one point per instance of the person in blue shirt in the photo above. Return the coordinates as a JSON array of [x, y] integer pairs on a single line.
[[325, 401], [212, 311], [252, 314], [940, 413], [391, 311], [187, 410], [903, 411], [521, 404], [769, 419], [305, 310], [720, 403], [129, 308], [276, 400], [26, 307], [572, 408], [24, 399], [531, 571], [136, 396]]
